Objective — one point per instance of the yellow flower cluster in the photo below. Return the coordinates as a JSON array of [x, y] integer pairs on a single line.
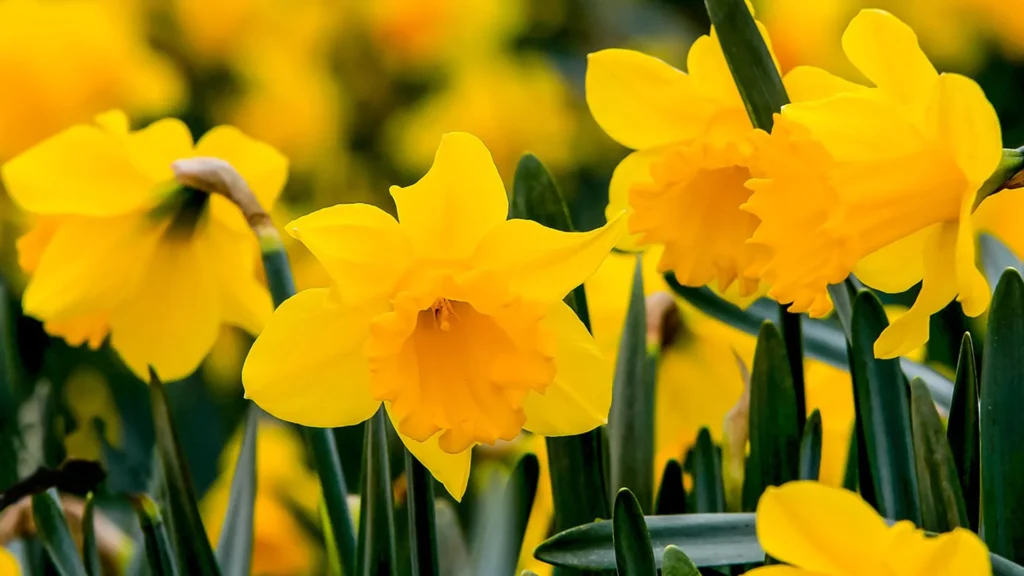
[[878, 180]]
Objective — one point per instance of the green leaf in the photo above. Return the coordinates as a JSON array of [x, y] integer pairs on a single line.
[[576, 463], [633, 553], [774, 428], [53, 532], [376, 513], [195, 557], [675, 562], [824, 340], [321, 440], [90, 554], [708, 490], [159, 552], [234, 548], [749, 60], [631, 420], [1002, 395], [708, 539], [671, 494], [502, 518], [881, 400], [963, 431], [422, 523], [792, 335], [942, 503], [9, 378], [810, 448]]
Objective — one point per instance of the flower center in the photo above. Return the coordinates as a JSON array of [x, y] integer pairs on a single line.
[[460, 371]]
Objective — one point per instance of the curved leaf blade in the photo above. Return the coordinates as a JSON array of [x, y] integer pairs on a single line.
[[963, 431], [633, 553], [159, 552], [422, 518], [54, 533], [90, 553], [810, 448], [942, 503], [708, 486], [675, 562], [376, 512], [671, 492], [234, 548]]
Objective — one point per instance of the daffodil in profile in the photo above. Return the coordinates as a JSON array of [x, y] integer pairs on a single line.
[[684, 183], [879, 181], [121, 249], [450, 316], [851, 539]]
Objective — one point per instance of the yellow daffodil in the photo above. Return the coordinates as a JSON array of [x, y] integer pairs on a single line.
[[877, 181], [853, 540], [685, 183], [281, 545], [64, 62], [121, 248], [9, 565], [451, 316], [512, 105], [88, 397]]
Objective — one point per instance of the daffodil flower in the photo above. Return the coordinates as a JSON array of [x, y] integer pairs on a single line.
[[853, 540], [120, 248], [686, 181], [879, 181], [451, 316]]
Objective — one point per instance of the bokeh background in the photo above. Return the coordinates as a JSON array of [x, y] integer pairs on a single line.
[[357, 94]]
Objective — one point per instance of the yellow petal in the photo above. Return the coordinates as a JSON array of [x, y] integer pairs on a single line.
[[264, 168], [805, 83], [913, 553], [156, 146], [542, 264], [580, 396], [642, 102], [245, 300], [89, 265], [938, 288], [782, 571], [966, 126], [972, 289], [363, 248], [452, 470], [886, 51], [9, 565], [999, 215], [708, 68], [791, 527], [634, 169], [308, 367], [171, 319], [32, 244], [897, 266], [456, 203], [83, 170]]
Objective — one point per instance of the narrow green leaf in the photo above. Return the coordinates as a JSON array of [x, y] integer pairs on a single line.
[[881, 399], [810, 448], [320, 440], [774, 430], [675, 562], [824, 340], [195, 557], [1002, 395], [708, 539], [708, 490], [942, 503], [749, 60], [234, 548], [963, 431], [633, 553], [90, 554], [576, 463], [159, 552], [631, 421], [53, 531], [792, 335], [671, 494], [422, 524], [9, 374], [376, 513], [502, 517]]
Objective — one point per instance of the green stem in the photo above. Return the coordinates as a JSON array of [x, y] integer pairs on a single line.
[[1010, 165], [422, 526]]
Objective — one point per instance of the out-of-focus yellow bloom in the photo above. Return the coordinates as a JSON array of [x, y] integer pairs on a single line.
[[63, 62], [877, 181], [87, 395], [9, 565], [453, 318], [121, 249], [792, 528], [281, 546], [514, 106], [429, 32], [539, 524], [685, 183]]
